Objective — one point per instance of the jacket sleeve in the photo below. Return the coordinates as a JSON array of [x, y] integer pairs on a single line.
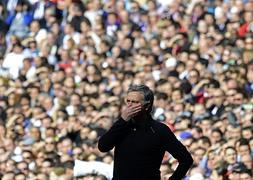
[[179, 152], [113, 135]]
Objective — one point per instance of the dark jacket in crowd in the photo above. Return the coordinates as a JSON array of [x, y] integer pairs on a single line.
[[140, 148]]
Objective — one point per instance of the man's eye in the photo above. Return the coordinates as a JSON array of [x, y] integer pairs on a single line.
[[129, 101]]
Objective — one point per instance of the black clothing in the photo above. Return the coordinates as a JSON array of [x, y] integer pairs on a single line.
[[216, 110], [140, 147]]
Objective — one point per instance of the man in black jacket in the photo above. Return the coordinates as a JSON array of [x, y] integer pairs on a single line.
[[140, 142]]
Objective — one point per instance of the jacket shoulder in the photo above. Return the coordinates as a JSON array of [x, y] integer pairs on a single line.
[[161, 126]]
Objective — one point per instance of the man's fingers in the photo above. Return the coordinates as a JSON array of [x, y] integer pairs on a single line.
[[135, 110]]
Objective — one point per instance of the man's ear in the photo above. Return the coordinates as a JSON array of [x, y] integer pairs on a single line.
[[146, 106]]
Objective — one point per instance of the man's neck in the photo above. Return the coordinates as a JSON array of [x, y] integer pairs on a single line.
[[142, 118]]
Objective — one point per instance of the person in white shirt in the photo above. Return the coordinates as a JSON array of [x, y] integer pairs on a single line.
[[13, 61]]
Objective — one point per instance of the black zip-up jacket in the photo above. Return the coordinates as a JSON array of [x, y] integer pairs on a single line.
[[140, 147]]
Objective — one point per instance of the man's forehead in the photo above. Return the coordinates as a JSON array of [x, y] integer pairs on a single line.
[[135, 94]]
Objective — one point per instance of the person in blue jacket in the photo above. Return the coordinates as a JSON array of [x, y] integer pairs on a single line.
[[19, 20]]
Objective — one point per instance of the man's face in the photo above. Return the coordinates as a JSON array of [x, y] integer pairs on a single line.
[[134, 98]]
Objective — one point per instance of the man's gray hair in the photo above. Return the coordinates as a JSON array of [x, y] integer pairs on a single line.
[[147, 92]]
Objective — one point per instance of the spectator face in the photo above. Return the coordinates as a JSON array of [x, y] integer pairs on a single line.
[[221, 125], [211, 159], [55, 28], [196, 134], [40, 156], [25, 102], [19, 130], [8, 176], [127, 44], [202, 26], [69, 85], [99, 30], [245, 176], [206, 126], [46, 167], [50, 144], [183, 124], [250, 74], [230, 94], [249, 43], [234, 176], [65, 58], [187, 143], [27, 156], [92, 135], [112, 19], [77, 153], [124, 16], [248, 16], [35, 133], [230, 156], [193, 77], [37, 112], [84, 133], [243, 150], [198, 155], [35, 27], [68, 29], [9, 145], [209, 19], [166, 88], [134, 7], [178, 108], [50, 132], [233, 132], [247, 160], [215, 175], [46, 122], [75, 100], [247, 133], [251, 144], [10, 165], [51, 39], [38, 61], [108, 159], [176, 95], [215, 137], [85, 27], [23, 167], [41, 176], [232, 84], [238, 99], [12, 99], [218, 97], [66, 146]]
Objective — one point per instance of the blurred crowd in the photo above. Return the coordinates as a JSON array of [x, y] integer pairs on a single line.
[[65, 66]]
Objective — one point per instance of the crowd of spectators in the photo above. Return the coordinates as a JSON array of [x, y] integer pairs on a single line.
[[65, 67]]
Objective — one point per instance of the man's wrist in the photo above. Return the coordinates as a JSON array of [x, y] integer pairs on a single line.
[[125, 118]]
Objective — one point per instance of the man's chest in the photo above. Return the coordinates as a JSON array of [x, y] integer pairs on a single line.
[[141, 141]]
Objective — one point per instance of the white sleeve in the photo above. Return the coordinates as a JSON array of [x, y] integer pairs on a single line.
[[82, 168]]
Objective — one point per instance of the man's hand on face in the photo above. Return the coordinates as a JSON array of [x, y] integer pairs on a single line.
[[130, 111]]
